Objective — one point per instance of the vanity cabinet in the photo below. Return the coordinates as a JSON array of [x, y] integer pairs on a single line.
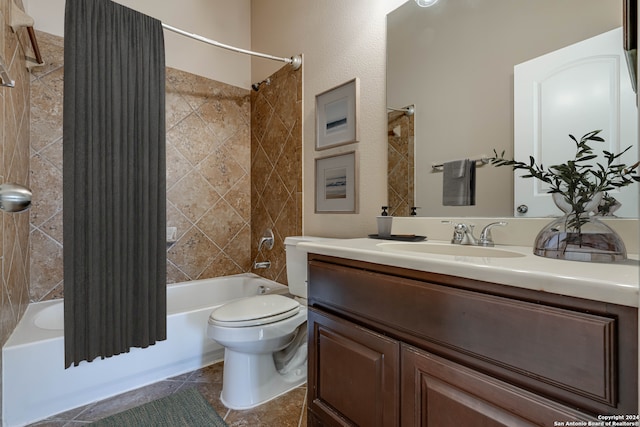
[[391, 346]]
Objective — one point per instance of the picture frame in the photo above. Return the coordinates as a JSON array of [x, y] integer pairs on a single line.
[[337, 112], [336, 183]]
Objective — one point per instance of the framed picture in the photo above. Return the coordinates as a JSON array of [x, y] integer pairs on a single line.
[[337, 115], [336, 184]]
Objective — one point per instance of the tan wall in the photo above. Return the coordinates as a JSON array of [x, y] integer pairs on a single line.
[[208, 176], [14, 167]]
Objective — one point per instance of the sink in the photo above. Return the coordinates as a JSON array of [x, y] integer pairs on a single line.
[[449, 249]]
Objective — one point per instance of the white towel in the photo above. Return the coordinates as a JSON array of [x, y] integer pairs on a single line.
[[459, 183]]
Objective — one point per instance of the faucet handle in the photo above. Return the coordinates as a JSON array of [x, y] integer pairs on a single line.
[[463, 228], [458, 231], [459, 225], [485, 236], [462, 233], [267, 240]]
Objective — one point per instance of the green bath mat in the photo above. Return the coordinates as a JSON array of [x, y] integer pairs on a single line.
[[185, 408]]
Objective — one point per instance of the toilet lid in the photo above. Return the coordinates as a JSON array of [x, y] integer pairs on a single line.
[[256, 310]]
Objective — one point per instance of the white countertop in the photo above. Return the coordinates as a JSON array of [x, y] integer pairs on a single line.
[[615, 283]]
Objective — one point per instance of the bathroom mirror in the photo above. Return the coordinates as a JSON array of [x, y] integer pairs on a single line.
[[455, 63]]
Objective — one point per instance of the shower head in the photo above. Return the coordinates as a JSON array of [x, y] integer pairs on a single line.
[[408, 111], [14, 197], [256, 86]]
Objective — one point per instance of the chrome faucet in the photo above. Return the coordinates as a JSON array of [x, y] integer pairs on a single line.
[[463, 234], [485, 236]]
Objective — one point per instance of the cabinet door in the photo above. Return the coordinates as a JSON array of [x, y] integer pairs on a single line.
[[353, 374], [436, 392]]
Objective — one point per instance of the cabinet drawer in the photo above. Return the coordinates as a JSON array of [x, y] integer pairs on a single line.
[[559, 352]]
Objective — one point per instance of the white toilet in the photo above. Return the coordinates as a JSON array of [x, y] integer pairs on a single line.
[[264, 338]]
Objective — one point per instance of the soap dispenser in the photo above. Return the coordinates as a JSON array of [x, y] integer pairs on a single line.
[[384, 223]]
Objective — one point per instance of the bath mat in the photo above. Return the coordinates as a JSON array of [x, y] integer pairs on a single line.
[[185, 408]]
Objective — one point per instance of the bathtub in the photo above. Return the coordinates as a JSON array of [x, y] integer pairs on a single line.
[[35, 384]]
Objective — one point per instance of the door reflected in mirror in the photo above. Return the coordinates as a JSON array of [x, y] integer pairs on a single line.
[[455, 61]]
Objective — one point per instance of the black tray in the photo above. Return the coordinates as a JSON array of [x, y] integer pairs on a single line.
[[400, 237]]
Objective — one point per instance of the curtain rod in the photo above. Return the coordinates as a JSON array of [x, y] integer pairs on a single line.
[[295, 61]]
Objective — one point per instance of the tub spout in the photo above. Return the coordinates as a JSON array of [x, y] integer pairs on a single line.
[[264, 264]]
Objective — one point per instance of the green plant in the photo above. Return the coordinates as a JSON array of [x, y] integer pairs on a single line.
[[578, 180]]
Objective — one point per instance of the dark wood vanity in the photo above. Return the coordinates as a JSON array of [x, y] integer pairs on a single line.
[[390, 346]]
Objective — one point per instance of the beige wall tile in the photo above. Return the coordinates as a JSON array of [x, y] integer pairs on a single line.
[[208, 163], [276, 168], [14, 166]]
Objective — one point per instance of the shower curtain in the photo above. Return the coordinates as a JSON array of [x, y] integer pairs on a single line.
[[114, 181]]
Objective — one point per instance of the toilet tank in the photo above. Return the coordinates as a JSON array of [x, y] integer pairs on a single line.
[[297, 264]]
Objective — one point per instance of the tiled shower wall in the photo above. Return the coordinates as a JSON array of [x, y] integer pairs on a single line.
[[276, 166], [208, 176], [400, 175], [14, 167], [209, 161]]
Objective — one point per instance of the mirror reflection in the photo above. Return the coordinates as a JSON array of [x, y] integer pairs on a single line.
[[455, 63], [400, 161]]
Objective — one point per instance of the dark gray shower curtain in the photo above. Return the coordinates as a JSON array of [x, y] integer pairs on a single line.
[[114, 180]]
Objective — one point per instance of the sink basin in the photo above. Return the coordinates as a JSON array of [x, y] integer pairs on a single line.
[[449, 249]]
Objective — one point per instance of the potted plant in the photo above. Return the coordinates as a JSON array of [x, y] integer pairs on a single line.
[[577, 188]]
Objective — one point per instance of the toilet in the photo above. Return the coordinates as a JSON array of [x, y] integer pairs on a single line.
[[265, 338]]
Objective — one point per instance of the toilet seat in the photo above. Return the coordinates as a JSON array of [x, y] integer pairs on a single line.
[[254, 311]]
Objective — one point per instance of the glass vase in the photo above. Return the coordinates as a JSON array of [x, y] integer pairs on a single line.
[[579, 238]]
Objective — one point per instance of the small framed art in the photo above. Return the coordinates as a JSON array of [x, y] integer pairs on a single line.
[[336, 184], [337, 115]]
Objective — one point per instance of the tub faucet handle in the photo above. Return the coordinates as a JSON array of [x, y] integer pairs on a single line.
[[267, 240]]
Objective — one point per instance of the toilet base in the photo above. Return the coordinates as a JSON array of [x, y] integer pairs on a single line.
[[250, 380]]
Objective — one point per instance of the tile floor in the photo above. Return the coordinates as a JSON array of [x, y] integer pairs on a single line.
[[287, 410]]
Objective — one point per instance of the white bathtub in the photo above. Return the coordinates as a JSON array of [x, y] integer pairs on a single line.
[[35, 384]]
